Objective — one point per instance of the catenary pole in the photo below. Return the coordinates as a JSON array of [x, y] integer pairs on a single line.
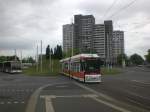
[[37, 58], [50, 58], [41, 55]]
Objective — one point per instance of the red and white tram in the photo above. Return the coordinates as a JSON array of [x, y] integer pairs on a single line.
[[83, 67]]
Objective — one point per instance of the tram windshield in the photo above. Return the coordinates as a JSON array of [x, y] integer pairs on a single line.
[[90, 65]]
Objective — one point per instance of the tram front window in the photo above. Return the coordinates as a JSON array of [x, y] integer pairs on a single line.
[[91, 65]]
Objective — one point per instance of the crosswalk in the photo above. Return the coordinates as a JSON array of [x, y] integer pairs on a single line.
[[14, 96], [11, 102]]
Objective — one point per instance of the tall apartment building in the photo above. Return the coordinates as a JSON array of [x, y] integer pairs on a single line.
[[84, 25], [89, 37], [68, 36], [99, 40], [108, 41], [118, 44]]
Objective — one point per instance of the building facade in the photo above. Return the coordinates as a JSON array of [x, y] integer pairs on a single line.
[[99, 40], [118, 44], [84, 25], [108, 41], [68, 37], [88, 37]]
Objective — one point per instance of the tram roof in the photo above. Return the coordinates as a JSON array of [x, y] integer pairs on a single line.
[[81, 56]]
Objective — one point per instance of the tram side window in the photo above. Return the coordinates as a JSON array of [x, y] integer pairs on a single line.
[[66, 66], [77, 67]]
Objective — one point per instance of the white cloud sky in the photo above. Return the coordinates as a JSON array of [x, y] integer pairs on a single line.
[[23, 23]]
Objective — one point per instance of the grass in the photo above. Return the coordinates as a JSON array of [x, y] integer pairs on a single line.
[[32, 71], [113, 71]]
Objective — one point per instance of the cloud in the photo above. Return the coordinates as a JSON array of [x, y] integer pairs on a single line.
[[23, 23]]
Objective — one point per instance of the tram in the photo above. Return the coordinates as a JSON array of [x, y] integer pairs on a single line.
[[83, 67]]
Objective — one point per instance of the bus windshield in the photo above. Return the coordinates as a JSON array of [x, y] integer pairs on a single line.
[[91, 65]]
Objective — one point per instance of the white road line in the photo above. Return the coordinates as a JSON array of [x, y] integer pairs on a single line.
[[8, 102], [137, 95], [22, 102], [110, 105], [141, 82], [48, 103], [31, 106], [70, 96], [61, 86], [133, 101], [104, 96], [2, 103], [16, 102]]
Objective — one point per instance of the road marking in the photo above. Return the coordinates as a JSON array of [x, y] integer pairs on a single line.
[[48, 103], [8, 102], [48, 99], [16, 102], [2, 103], [62, 86], [18, 90], [110, 105], [133, 101], [31, 106], [104, 96], [141, 82], [69, 96], [22, 102], [13, 102]]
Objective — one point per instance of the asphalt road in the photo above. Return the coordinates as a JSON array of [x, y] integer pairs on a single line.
[[127, 92], [16, 89]]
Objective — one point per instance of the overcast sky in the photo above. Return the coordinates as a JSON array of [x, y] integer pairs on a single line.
[[23, 23]]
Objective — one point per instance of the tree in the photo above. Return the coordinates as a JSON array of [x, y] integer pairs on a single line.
[[28, 60], [3, 58], [8, 58], [58, 54], [148, 56], [136, 59], [47, 52], [122, 57]]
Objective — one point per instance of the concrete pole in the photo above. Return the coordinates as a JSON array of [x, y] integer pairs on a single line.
[[52, 65], [37, 59], [50, 58], [21, 59], [15, 55], [41, 55]]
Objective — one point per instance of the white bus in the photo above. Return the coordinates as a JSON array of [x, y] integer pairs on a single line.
[[12, 67]]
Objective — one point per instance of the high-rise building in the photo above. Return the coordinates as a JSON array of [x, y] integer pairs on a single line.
[[108, 41], [68, 36], [118, 44], [88, 37], [84, 25], [99, 40]]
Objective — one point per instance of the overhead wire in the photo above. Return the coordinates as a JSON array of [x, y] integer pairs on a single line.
[[109, 8], [123, 8]]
